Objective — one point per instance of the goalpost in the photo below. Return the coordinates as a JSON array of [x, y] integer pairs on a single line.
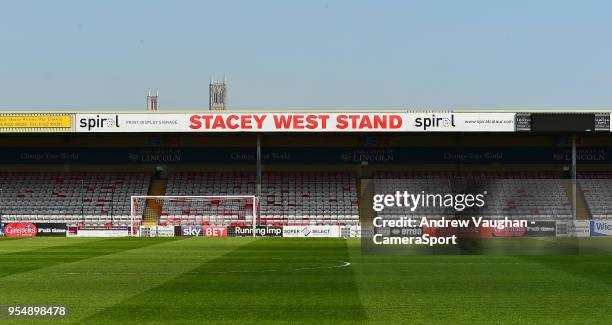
[[152, 212]]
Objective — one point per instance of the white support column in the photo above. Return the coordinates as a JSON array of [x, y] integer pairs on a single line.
[[132, 216], [574, 181], [257, 215]]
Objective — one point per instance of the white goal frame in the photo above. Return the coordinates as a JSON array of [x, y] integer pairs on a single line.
[[253, 199]]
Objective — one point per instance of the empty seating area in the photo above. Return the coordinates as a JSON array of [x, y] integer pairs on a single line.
[[315, 198], [288, 198], [226, 211], [300, 198], [214, 211], [597, 189], [90, 198], [535, 195]]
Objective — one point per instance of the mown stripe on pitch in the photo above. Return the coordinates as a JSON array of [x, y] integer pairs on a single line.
[[589, 258], [80, 249], [268, 280], [593, 268], [479, 289], [92, 285], [23, 244]]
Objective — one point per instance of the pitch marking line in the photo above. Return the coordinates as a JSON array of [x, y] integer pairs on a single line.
[[342, 264]]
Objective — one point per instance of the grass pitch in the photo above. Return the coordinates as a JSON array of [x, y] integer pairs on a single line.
[[248, 280]]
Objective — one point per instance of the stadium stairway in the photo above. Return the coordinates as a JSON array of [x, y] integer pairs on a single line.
[[582, 210], [154, 207], [365, 188]]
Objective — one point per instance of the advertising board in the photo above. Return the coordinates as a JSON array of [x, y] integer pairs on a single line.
[[601, 228], [260, 231], [311, 231], [20, 229], [296, 122], [204, 231], [51, 229], [98, 231], [35, 121]]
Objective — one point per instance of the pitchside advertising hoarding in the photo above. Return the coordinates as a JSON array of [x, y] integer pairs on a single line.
[[311, 231], [260, 231], [29, 229], [98, 231], [577, 228], [296, 122], [204, 231], [51, 229], [157, 231], [20, 229], [533, 229], [270, 231], [601, 228]]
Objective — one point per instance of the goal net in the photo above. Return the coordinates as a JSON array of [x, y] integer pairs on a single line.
[[149, 214]]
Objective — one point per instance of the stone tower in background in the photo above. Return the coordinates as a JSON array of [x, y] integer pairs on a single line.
[[152, 103], [217, 95]]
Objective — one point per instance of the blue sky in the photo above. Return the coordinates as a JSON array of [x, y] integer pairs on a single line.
[[306, 54]]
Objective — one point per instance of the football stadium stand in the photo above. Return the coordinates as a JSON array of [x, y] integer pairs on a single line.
[[597, 190], [536, 195], [103, 198], [288, 198], [316, 198], [89, 198]]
